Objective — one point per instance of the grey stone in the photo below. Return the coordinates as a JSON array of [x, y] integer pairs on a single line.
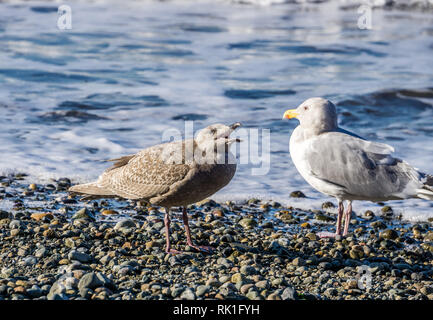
[[34, 292], [90, 280], [298, 262], [264, 284], [3, 289], [30, 261], [105, 259], [176, 290], [325, 265], [289, 293], [402, 266], [330, 292], [15, 224], [85, 292], [248, 270], [225, 263], [57, 291], [83, 214], [187, 294], [158, 226], [8, 272], [79, 256], [201, 290], [125, 224], [252, 295], [106, 281]]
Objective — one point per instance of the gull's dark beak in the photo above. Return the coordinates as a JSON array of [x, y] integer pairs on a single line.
[[230, 141], [235, 125]]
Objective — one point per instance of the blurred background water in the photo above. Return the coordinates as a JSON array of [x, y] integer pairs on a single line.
[[128, 70]]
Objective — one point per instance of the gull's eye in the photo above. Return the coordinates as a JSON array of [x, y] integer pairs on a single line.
[[306, 108], [213, 131]]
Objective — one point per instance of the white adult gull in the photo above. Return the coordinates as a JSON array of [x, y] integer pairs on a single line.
[[343, 165]]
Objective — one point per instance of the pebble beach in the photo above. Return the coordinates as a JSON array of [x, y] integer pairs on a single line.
[[54, 246]]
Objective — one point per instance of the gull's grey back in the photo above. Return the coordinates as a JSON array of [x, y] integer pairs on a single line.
[[363, 169]]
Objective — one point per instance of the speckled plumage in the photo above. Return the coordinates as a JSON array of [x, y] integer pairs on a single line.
[[165, 175], [171, 174]]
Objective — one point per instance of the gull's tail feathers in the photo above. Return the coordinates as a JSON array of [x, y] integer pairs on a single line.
[[427, 190], [90, 189]]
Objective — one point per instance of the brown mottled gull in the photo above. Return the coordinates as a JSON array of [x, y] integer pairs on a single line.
[[171, 174], [341, 164]]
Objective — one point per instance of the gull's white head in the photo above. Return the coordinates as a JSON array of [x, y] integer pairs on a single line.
[[318, 114]]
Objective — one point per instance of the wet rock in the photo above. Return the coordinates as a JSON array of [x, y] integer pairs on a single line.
[[109, 212], [390, 234], [328, 205], [83, 214], [253, 201], [429, 236], [369, 214], [312, 236], [42, 216], [387, 212], [378, 224], [125, 224], [206, 203], [248, 223], [4, 214], [323, 217], [297, 194], [305, 225]]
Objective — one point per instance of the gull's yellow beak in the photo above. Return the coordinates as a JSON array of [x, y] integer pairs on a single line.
[[289, 114]]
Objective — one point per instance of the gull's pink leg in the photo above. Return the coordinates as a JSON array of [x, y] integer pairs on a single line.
[[167, 221], [206, 249], [340, 217], [347, 216], [339, 220]]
